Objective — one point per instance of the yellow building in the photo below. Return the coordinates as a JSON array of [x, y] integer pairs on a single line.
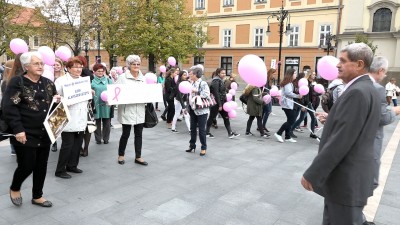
[[238, 27], [379, 20]]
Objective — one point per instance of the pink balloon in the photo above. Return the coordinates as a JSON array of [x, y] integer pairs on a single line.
[[227, 107], [303, 82], [104, 96], [48, 55], [274, 91], [176, 79], [163, 69], [228, 97], [232, 114], [185, 87], [267, 99], [119, 70], [171, 61], [319, 88], [252, 70], [151, 78], [48, 72], [17, 45], [232, 92], [303, 90], [63, 53], [327, 67], [234, 86]]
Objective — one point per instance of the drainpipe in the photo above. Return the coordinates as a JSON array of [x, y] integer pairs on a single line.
[[339, 21]]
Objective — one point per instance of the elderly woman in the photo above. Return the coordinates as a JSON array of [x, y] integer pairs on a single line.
[[99, 84], [26, 103], [72, 136], [198, 116], [131, 114]]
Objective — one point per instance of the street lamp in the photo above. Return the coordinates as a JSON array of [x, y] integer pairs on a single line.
[[98, 58], [114, 59], [281, 15], [86, 43]]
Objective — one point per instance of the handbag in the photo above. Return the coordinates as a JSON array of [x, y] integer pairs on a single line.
[[201, 103], [91, 123], [150, 118]]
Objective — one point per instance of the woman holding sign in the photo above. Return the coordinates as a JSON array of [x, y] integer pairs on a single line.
[[72, 136], [131, 114], [26, 102]]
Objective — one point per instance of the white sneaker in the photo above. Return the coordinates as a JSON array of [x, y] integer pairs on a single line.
[[278, 137], [291, 140]]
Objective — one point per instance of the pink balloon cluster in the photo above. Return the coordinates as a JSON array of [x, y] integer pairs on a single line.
[[171, 61], [252, 70], [228, 97], [274, 91], [230, 107], [267, 99], [63, 53], [48, 55], [119, 70], [232, 92], [185, 87], [151, 78], [319, 88], [303, 90], [327, 67], [17, 46], [48, 72], [234, 86], [303, 82], [163, 69]]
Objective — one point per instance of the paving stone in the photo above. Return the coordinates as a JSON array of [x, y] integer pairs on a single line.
[[171, 211]]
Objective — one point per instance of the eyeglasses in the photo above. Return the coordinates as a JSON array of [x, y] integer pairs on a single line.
[[134, 64], [36, 64]]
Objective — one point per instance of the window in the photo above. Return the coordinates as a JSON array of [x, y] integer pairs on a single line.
[[200, 4], [262, 57], [294, 36], [227, 38], [198, 60], [382, 20], [228, 2], [260, 1], [226, 64], [323, 31], [36, 41], [258, 37]]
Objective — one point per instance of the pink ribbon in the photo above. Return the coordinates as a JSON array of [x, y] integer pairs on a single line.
[[117, 91]]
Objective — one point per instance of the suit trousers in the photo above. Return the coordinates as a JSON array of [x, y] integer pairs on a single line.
[[337, 214], [31, 160], [123, 141], [102, 132], [69, 152]]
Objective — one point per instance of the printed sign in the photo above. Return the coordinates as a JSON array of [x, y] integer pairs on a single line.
[[78, 90], [273, 63], [56, 121], [127, 94]]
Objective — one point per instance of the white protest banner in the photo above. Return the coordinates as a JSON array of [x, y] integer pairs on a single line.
[[78, 90], [127, 94]]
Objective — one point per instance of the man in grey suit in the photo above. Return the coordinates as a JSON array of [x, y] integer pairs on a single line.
[[377, 72], [343, 170]]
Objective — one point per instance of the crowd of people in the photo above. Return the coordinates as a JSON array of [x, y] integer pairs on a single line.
[[357, 108]]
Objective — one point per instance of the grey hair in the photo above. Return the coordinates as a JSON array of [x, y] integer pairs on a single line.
[[378, 63], [132, 58], [359, 51], [26, 58], [196, 70]]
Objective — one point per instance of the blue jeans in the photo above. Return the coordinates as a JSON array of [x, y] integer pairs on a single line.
[[200, 122], [394, 101], [267, 109]]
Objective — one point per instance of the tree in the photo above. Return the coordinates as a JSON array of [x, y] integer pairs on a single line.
[[362, 38], [157, 29]]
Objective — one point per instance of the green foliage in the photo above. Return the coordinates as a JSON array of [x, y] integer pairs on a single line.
[[362, 38]]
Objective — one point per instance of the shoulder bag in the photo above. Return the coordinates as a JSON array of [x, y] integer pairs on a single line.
[[201, 103], [91, 122], [150, 118]]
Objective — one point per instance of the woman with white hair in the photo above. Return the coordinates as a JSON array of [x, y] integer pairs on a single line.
[[198, 116], [131, 114], [26, 103]]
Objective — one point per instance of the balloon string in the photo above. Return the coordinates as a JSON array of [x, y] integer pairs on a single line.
[[294, 102]]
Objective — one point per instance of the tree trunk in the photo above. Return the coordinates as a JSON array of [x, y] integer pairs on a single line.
[[152, 63]]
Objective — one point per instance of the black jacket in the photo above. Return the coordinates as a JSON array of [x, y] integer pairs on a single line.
[[170, 88], [218, 89]]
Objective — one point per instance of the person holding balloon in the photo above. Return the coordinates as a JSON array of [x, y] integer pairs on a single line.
[[267, 108], [287, 106], [169, 92], [254, 109], [102, 115], [217, 89], [180, 101]]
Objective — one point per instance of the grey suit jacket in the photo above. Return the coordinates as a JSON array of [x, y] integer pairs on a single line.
[[343, 170]]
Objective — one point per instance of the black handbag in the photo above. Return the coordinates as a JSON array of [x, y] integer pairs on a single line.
[[150, 118]]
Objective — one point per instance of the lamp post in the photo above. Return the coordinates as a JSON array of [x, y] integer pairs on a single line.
[[86, 43], [281, 16], [98, 58], [114, 59]]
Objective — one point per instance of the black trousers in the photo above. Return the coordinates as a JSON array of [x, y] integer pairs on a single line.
[[213, 115], [126, 132], [69, 152], [290, 120], [102, 132], [171, 111], [197, 121], [259, 124], [336, 214], [31, 160]]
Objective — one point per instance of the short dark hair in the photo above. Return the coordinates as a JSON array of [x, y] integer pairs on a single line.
[[98, 66], [72, 61]]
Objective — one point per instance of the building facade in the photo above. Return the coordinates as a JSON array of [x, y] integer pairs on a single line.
[[239, 27], [379, 20]]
